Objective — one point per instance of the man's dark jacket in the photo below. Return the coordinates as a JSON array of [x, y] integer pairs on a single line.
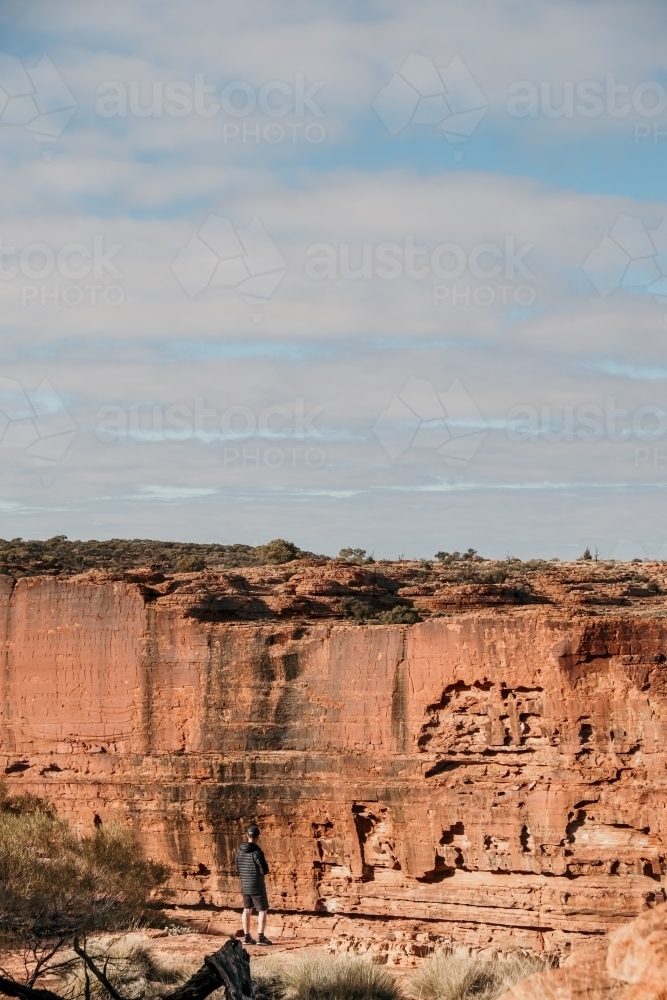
[[252, 867]]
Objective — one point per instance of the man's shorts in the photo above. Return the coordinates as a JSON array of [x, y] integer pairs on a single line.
[[258, 900]]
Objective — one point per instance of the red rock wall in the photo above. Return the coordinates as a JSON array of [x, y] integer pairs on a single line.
[[495, 778]]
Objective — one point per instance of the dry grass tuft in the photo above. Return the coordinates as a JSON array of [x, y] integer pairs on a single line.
[[324, 977], [131, 965], [266, 974], [454, 977]]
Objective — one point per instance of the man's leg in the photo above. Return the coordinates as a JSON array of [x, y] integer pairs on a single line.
[[261, 922], [246, 920]]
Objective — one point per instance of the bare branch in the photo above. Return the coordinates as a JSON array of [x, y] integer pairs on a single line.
[[41, 962], [228, 967], [96, 972], [13, 989]]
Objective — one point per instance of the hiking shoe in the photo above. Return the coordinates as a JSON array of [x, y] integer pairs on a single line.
[[249, 940], [262, 939]]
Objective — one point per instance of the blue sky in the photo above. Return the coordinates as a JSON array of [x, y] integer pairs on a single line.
[[386, 275]]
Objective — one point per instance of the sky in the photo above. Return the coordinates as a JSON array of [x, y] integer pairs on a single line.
[[388, 275]]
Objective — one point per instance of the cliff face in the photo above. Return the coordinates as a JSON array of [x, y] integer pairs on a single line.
[[494, 776]]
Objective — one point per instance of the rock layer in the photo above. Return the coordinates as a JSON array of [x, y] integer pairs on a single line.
[[495, 776]]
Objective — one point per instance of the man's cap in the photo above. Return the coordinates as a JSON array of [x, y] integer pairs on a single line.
[[253, 831]]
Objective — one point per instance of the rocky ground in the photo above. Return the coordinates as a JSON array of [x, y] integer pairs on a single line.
[[307, 590]]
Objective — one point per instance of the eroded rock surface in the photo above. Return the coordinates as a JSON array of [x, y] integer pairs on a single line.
[[494, 775], [630, 965]]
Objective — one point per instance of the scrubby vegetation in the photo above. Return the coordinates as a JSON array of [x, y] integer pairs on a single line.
[[59, 555], [132, 967], [446, 976], [362, 612], [57, 887], [355, 556], [54, 883], [324, 977], [20, 557]]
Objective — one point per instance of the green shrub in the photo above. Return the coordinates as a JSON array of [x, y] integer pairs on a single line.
[[358, 611], [362, 612], [55, 883], [20, 557], [399, 615], [190, 564], [470, 555], [354, 556], [278, 551]]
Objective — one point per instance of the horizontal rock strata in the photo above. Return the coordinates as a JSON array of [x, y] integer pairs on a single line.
[[494, 776]]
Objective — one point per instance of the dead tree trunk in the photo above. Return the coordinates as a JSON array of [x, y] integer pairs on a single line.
[[228, 967]]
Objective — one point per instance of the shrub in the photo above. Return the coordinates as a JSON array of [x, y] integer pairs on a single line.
[[362, 612], [53, 883], [20, 557], [498, 575], [190, 564], [354, 555], [323, 977], [470, 555], [454, 977], [510, 971], [399, 615], [278, 551], [358, 611], [131, 966]]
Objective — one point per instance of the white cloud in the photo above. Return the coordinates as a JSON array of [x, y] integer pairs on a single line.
[[346, 345]]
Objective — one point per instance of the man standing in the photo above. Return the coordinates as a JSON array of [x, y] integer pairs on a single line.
[[252, 867]]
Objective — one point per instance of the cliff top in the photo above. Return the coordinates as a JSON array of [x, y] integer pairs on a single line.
[[358, 591], [278, 581]]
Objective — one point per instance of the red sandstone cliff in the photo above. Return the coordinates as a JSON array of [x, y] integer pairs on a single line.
[[495, 774]]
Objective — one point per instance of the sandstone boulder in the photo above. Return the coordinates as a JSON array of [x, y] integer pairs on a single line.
[[630, 965]]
